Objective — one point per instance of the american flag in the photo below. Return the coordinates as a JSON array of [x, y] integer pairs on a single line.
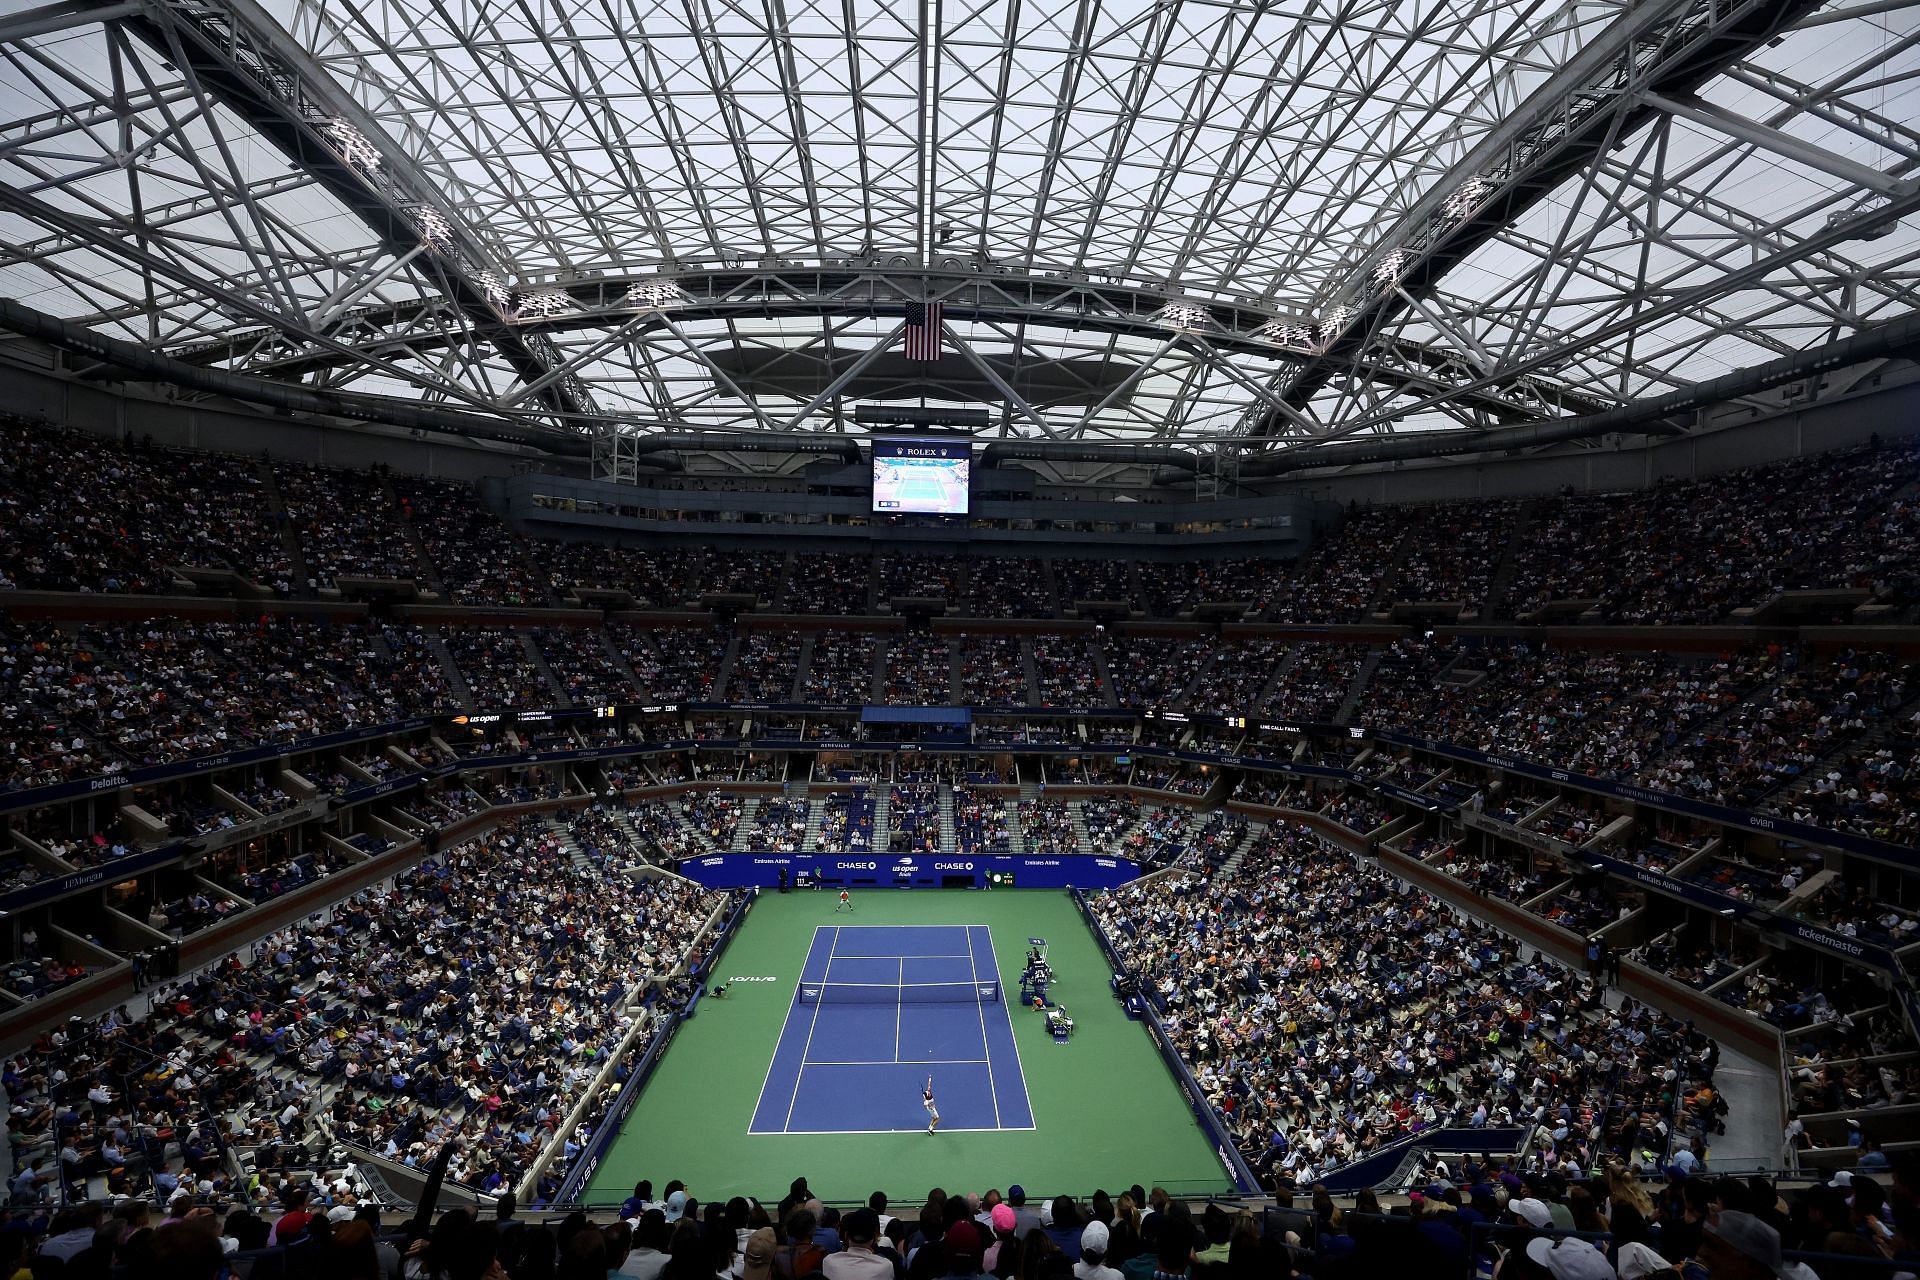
[[923, 331]]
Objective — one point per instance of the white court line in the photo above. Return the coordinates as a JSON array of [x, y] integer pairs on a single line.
[[827, 1133], [903, 1062], [899, 1003], [1006, 1011], [792, 1004], [981, 1009], [800, 1071]]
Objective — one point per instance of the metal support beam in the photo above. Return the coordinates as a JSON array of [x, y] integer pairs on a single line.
[[1567, 123], [47, 19], [846, 376], [1707, 115], [1000, 384], [253, 68]]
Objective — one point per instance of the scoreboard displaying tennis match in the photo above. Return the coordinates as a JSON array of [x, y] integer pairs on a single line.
[[926, 477]]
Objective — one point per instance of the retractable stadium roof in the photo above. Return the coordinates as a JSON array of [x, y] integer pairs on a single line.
[[1269, 224]]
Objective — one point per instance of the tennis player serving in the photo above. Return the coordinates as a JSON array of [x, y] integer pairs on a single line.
[[933, 1112]]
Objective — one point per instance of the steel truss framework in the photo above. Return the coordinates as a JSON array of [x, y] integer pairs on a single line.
[[1165, 219]]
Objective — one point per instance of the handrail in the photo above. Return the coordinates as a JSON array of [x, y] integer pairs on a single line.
[[1225, 1148], [1789, 928], [1823, 836]]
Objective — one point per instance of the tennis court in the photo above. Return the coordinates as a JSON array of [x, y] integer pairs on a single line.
[[924, 490], [879, 1009], [1099, 1110], [917, 484]]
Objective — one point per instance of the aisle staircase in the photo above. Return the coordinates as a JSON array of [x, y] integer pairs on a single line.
[[725, 673], [749, 811], [289, 536], [956, 665], [1194, 677], [641, 844], [801, 663], [1031, 671], [427, 574], [1390, 579], [619, 660], [816, 819], [575, 854], [1278, 677], [882, 795], [1099, 653], [1077, 814], [456, 678], [1495, 605], [540, 664], [1238, 854], [1050, 605], [949, 841], [1358, 686]]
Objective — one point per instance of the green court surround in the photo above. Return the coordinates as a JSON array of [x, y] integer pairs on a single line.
[[1106, 1109]]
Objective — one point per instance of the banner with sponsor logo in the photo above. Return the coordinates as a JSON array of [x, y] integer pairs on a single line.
[[121, 869], [32, 797], [883, 870], [1784, 927], [374, 790], [1899, 854]]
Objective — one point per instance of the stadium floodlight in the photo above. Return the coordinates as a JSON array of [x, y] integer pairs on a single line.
[[1185, 315], [494, 288], [1469, 197], [1387, 272], [431, 224], [547, 302], [1334, 323], [653, 293], [354, 146], [1287, 333]]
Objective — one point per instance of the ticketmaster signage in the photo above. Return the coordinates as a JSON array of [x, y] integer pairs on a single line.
[[1785, 927]]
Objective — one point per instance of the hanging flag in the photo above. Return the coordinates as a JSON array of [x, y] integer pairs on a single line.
[[923, 331]]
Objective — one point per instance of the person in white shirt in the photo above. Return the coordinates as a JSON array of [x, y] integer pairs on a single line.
[[649, 1256], [72, 1231]]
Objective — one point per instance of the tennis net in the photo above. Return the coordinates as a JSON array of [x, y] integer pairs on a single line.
[[986, 991]]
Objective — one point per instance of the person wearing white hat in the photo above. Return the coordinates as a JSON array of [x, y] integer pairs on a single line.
[[1570, 1258], [1638, 1261], [1739, 1246], [1093, 1255], [1532, 1212]]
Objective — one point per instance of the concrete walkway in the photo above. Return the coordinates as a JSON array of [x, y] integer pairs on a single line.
[[1754, 1116]]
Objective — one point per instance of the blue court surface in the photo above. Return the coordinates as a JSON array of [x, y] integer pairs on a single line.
[[879, 1009]]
